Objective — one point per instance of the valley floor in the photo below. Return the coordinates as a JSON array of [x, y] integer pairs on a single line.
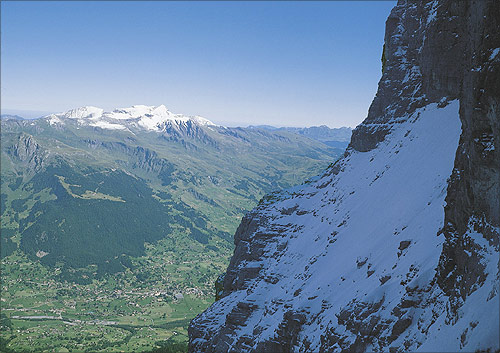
[[128, 311]]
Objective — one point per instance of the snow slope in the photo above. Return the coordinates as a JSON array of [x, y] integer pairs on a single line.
[[330, 263], [339, 258]]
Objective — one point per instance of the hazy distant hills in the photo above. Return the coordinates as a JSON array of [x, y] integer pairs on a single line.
[[336, 137], [11, 117]]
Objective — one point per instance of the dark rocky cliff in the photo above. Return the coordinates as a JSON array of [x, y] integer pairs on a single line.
[[432, 52], [28, 152], [436, 52], [473, 199]]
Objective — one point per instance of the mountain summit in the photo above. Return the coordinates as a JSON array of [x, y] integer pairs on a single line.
[[154, 118], [395, 247]]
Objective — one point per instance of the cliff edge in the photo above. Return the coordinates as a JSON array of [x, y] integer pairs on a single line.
[[396, 246]]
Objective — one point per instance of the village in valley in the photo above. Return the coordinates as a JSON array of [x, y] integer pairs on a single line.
[[139, 311]]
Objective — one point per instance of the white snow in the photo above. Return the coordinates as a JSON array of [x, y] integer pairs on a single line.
[[432, 12], [202, 121], [379, 199], [494, 53], [145, 117], [54, 120], [88, 112], [479, 319], [108, 125]]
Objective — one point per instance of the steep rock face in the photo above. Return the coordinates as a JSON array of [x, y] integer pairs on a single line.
[[140, 157], [396, 246], [29, 152], [180, 131], [473, 199]]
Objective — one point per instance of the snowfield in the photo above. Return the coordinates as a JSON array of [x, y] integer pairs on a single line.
[[360, 246]]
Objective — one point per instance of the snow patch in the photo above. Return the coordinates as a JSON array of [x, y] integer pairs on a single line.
[[494, 53], [432, 12], [88, 112], [107, 125]]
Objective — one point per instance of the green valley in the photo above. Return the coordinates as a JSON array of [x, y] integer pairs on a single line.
[[114, 234]]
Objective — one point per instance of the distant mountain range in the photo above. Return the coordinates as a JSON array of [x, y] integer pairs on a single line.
[[336, 137], [190, 177], [11, 117], [152, 118], [134, 198]]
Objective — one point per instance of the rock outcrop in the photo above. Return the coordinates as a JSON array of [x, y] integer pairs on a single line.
[[396, 246], [28, 152]]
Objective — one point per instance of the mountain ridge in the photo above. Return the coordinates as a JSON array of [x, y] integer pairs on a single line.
[[137, 116], [75, 148]]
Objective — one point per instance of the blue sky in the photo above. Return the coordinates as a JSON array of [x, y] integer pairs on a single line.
[[279, 63]]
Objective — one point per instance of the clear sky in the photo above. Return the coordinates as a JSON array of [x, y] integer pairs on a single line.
[[278, 63]]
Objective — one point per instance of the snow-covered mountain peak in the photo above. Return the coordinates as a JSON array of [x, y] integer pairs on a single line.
[[86, 112], [137, 116], [201, 120]]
